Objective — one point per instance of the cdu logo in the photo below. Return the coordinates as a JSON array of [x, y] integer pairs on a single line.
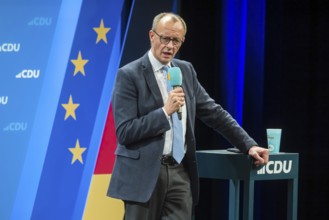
[[276, 167], [16, 126], [28, 74], [10, 47], [40, 21], [3, 100]]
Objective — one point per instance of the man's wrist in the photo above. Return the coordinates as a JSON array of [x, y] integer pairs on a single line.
[[168, 117]]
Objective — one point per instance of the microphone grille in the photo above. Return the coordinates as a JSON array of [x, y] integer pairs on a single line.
[[175, 76]]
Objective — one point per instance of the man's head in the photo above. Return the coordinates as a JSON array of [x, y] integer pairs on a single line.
[[166, 36]]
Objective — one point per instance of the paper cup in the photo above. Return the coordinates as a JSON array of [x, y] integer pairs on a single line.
[[273, 140]]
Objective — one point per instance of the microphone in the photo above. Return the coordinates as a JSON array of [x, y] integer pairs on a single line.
[[175, 79]]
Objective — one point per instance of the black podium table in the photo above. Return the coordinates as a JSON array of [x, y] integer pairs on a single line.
[[236, 167]]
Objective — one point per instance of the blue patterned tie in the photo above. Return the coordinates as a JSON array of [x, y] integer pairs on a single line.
[[177, 127]]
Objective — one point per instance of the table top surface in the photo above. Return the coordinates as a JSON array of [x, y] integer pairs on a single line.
[[233, 151]]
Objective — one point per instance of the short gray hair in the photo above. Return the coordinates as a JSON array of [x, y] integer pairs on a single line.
[[174, 17]]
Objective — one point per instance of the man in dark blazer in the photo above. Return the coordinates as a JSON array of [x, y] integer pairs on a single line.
[[146, 176]]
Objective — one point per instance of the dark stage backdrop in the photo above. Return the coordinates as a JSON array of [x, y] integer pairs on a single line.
[[295, 98], [297, 93]]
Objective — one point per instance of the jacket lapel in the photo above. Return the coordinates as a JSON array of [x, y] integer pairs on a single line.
[[151, 81]]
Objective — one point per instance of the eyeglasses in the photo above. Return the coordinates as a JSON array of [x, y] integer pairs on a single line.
[[165, 40]]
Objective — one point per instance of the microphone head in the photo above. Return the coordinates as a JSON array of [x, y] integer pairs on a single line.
[[175, 76]]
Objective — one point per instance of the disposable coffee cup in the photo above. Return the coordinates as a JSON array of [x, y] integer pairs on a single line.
[[273, 140]]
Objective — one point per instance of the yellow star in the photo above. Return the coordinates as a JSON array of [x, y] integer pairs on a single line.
[[77, 152], [70, 108], [79, 64], [101, 32]]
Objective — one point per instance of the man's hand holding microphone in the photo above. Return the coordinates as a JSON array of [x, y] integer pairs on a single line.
[[176, 97]]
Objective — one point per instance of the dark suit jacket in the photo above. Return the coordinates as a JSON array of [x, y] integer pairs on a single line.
[[140, 125]]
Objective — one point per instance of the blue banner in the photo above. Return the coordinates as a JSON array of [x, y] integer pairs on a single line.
[[58, 64], [26, 37]]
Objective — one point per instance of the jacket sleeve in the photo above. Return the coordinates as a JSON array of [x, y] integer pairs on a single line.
[[216, 117]]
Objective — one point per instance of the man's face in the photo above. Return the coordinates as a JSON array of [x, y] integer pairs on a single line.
[[167, 30]]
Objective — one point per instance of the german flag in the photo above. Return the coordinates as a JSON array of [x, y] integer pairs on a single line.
[[99, 206]]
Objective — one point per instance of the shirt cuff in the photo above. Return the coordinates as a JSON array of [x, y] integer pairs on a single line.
[[168, 117]]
